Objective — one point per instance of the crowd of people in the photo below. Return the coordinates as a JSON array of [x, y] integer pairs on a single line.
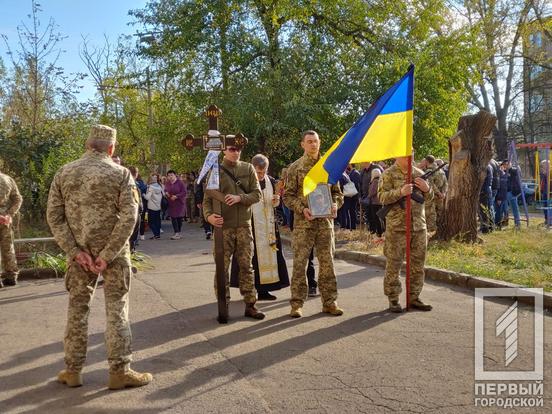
[[501, 193]]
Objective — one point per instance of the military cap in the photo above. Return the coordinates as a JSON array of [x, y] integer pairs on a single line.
[[103, 133]]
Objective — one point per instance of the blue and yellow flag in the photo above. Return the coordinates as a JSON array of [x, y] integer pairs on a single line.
[[383, 132]]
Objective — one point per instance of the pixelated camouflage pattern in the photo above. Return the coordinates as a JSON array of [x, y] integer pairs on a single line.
[[295, 200], [394, 251], [389, 191], [304, 239], [92, 207], [238, 241], [103, 133], [81, 286], [439, 184], [10, 203], [10, 198], [7, 253]]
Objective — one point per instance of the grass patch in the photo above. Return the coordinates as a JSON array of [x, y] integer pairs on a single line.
[[522, 257]]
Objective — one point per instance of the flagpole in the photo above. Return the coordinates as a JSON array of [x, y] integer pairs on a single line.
[[408, 225]]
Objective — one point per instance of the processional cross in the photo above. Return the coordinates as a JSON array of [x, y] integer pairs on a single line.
[[215, 141]]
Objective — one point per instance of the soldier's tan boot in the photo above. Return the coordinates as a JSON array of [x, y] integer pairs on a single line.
[[123, 379], [418, 304], [395, 306], [333, 309], [252, 312], [70, 378], [296, 312]]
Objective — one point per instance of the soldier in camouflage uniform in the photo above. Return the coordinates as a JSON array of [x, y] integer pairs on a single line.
[[10, 202], [391, 189], [440, 189], [309, 232], [439, 185], [235, 221], [92, 209]]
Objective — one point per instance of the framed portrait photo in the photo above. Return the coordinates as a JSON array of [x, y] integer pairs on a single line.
[[320, 201]]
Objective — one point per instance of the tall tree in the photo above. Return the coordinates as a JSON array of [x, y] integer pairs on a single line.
[[500, 27]]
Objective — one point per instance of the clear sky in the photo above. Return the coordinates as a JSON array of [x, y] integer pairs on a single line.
[[75, 18]]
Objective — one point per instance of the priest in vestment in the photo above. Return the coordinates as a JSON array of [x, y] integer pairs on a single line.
[[268, 260]]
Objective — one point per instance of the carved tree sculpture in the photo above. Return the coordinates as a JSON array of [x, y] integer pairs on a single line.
[[470, 151]]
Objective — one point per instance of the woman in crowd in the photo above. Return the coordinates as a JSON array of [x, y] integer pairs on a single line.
[[175, 192], [154, 195]]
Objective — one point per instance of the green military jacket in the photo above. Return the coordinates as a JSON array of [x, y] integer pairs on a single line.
[[237, 215], [10, 199], [92, 207], [389, 192], [294, 198]]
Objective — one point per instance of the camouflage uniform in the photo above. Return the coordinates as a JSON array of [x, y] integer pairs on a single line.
[[440, 185], [10, 202], [237, 232], [317, 233], [389, 191], [92, 207], [433, 208]]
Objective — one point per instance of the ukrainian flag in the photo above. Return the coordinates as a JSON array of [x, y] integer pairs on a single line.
[[383, 132]]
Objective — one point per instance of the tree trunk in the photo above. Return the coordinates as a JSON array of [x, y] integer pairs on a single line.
[[470, 151]]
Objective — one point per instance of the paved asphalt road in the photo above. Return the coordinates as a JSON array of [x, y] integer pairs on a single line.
[[367, 361]]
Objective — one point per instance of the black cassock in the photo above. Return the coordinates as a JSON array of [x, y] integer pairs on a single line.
[[282, 267]]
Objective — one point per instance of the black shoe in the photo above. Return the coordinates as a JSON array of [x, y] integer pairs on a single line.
[[10, 282], [155, 238], [266, 296], [312, 291], [208, 235]]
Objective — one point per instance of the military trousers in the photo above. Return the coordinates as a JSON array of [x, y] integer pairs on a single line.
[[7, 253], [304, 239], [431, 216], [81, 286], [394, 250], [239, 241]]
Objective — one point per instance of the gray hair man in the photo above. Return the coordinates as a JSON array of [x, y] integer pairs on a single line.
[[92, 220]]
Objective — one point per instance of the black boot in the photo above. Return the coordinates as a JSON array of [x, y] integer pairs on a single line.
[[266, 296], [10, 282]]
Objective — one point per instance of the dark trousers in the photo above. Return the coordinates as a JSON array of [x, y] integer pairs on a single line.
[[348, 213], [177, 224], [154, 219], [134, 236], [142, 222], [207, 228], [485, 217], [546, 212], [374, 222], [311, 280]]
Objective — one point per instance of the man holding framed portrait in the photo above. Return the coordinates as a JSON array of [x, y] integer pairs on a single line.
[[313, 227]]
